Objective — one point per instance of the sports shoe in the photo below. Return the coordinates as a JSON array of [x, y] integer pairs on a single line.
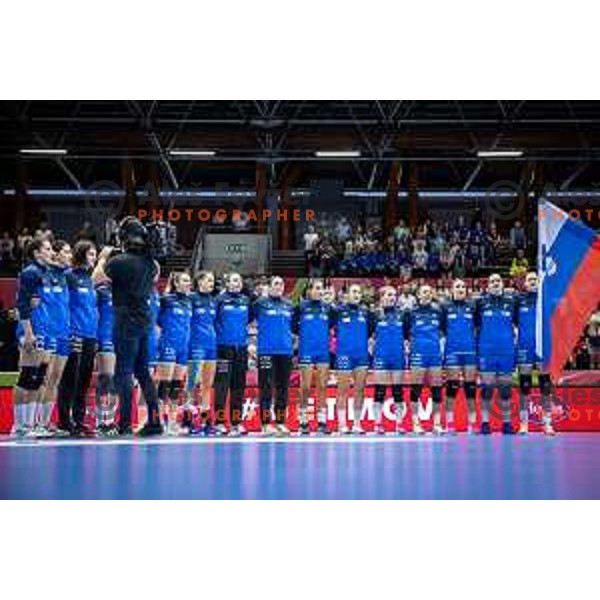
[[438, 430], [344, 430], [523, 429], [549, 430], [269, 429], [174, 429], [485, 428], [81, 430], [208, 429], [221, 429], [19, 432], [418, 428], [507, 429], [304, 429], [150, 429], [30, 433], [282, 430], [323, 429], [125, 431], [379, 429], [357, 428], [238, 430], [108, 430]]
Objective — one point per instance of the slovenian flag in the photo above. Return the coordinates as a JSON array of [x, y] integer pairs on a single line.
[[569, 286]]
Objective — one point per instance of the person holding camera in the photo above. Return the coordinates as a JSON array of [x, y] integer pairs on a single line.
[[133, 273]]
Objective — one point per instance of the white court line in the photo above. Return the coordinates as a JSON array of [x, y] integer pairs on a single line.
[[9, 442]]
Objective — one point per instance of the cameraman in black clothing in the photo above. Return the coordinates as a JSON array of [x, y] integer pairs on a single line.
[[133, 273]]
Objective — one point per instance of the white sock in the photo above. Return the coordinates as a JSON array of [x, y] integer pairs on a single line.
[[358, 412], [20, 414], [415, 412], [377, 408], [30, 411], [400, 412], [322, 415], [46, 413], [302, 415]]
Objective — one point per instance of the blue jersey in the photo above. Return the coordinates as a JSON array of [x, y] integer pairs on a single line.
[[274, 320], [525, 315], [459, 327], [232, 319], [312, 318], [57, 305], [174, 318], [424, 324], [82, 304], [495, 316], [105, 312], [34, 286], [389, 334], [353, 323], [202, 329]]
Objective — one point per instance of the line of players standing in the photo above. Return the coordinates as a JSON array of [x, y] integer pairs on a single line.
[[200, 343]]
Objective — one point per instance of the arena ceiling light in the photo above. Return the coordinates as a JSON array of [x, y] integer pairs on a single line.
[[337, 153], [44, 151], [191, 152], [499, 153]]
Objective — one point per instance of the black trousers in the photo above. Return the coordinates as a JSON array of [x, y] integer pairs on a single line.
[[232, 365], [131, 349], [274, 373], [75, 383]]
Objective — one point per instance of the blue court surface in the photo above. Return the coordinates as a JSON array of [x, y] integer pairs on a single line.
[[567, 466]]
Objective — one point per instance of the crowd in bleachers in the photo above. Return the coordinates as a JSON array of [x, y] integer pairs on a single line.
[[347, 247]]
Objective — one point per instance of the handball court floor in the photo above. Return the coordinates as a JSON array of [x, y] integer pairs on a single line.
[[407, 467]]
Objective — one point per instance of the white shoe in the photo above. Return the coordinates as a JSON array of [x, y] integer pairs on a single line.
[[42, 432], [221, 429], [379, 429], [238, 431], [357, 428], [173, 429], [19, 431], [523, 428], [343, 429], [549, 430], [418, 428], [269, 430], [282, 429], [30, 433], [438, 430]]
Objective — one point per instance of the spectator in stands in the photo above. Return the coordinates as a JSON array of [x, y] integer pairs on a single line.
[[493, 241], [420, 258], [7, 249], [458, 260], [87, 232], [343, 230], [326, 255], [44, 231], [401, 232], [311, 239], [519, 265], [406, 299], [593, 332], [518, 239], [23, 240], [110, 231]]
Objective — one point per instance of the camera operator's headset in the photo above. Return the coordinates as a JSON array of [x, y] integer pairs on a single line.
[[132, 233]]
